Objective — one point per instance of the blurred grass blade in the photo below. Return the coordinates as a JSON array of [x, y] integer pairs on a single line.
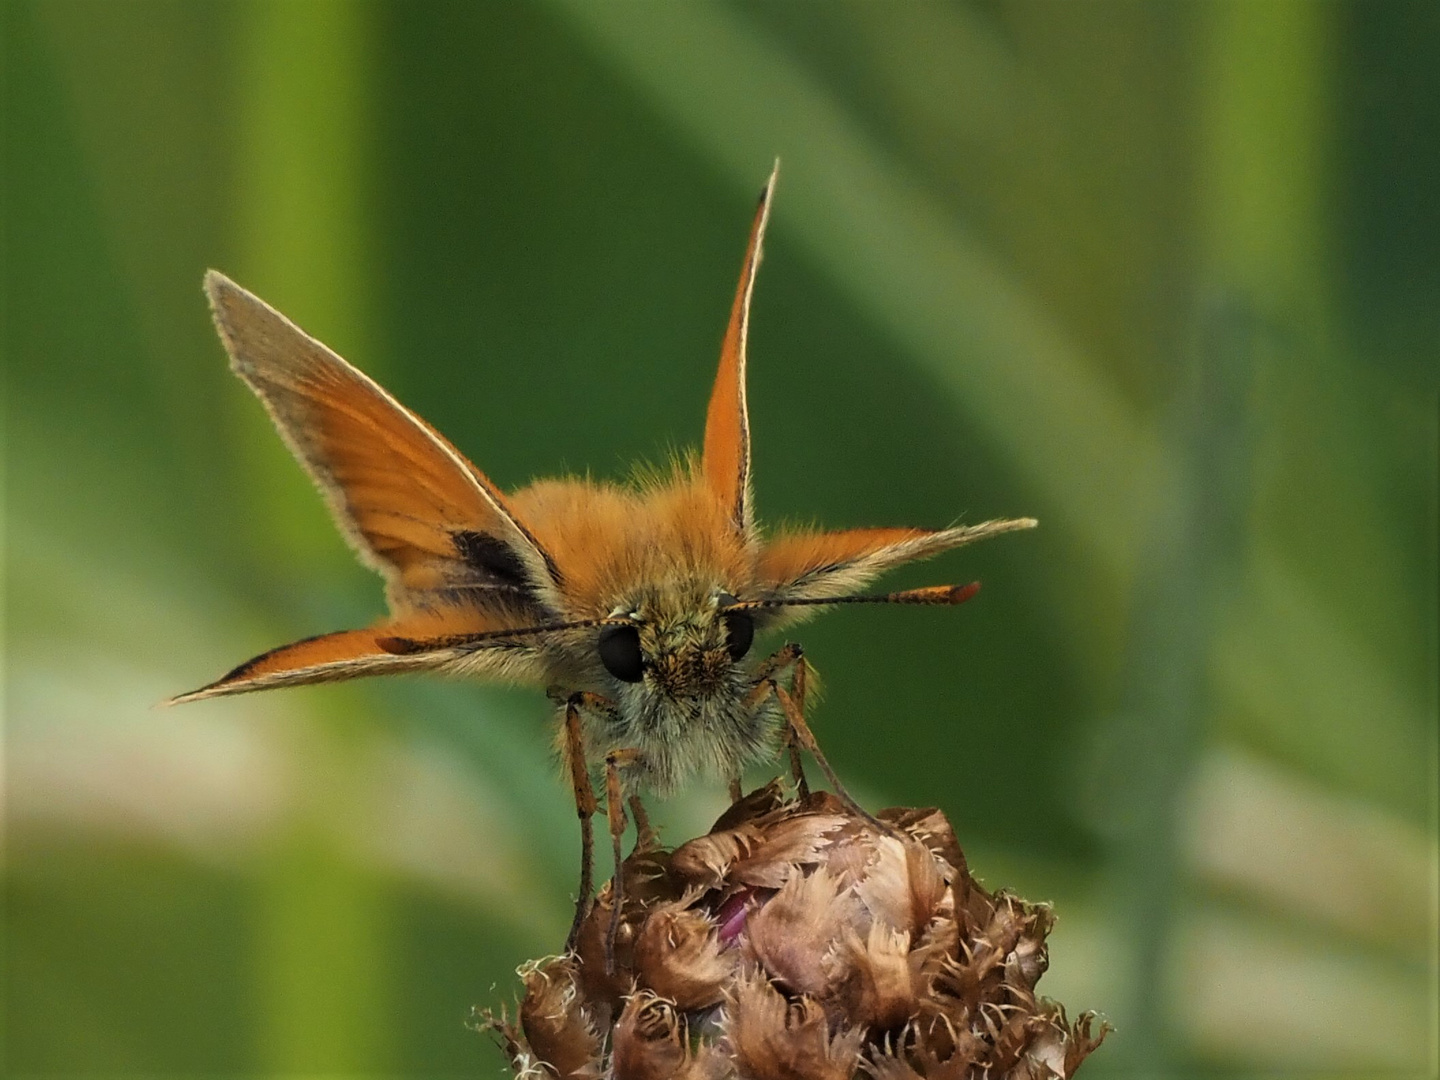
[[898, 252], [323, 949]]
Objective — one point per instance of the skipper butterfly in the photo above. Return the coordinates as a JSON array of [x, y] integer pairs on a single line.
[[637, 606]]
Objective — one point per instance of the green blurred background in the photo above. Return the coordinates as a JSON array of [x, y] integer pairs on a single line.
[[1164, 276]]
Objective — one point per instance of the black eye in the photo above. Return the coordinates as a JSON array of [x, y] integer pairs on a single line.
[[620, 652], [739, 629]]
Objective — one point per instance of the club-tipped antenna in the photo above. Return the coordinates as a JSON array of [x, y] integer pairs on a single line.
[[937, 595]]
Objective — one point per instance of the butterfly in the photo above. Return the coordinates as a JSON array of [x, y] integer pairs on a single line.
[[636, 605]]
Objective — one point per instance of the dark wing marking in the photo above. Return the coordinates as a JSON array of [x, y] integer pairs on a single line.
[[409, 503]]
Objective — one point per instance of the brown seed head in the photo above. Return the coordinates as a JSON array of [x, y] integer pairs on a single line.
[[799, 941]]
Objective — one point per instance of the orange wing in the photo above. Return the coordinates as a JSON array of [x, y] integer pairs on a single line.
[[811, 565], [727, 421], [411, 506], [327, 658], [350, 654]]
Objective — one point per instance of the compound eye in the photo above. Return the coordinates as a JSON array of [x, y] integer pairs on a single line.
[[739, 629], [620, 653]]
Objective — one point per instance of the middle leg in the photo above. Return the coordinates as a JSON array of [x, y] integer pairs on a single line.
[[585, 807], [792, 656], [798, 735], [645, 835], [615, 760]]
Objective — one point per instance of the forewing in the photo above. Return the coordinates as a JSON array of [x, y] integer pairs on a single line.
[[410, 504], [352, 654], [812, 565], [727, 422]]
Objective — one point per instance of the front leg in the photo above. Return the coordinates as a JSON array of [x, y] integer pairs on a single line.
[[577, 762], [585, 807]]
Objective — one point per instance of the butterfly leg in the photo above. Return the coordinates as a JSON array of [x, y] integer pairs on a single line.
[[645, 835], [585, 807], [797, 692], [736, 791], [615, 812], [801, 734], [788, 655], [798, 735]]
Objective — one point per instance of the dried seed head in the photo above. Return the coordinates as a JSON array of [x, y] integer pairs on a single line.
[[798, 940]]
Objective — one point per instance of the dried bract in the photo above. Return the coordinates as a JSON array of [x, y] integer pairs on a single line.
[[800, 940], [558, 1030]]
